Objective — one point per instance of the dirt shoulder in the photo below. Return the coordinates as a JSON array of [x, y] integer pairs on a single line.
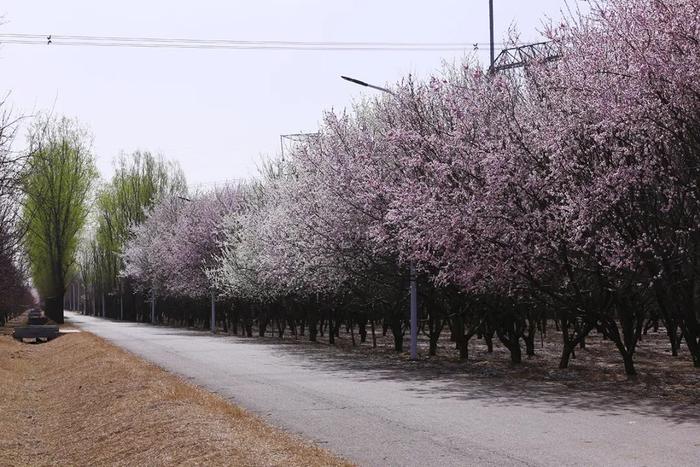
[[78, 400]]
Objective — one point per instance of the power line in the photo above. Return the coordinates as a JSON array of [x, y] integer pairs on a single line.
[[247, 47], [183, 43], [230, 41]]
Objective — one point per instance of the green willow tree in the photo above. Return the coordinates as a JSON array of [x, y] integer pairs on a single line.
[[140, 180], [57, 186]]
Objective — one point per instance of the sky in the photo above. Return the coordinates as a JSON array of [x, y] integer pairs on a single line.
[[217, 112]]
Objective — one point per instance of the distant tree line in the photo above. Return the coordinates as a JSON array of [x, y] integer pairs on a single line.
[[141, 180], [14, 292]]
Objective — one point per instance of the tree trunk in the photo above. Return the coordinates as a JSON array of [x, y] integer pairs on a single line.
[[460, 339], [280, 328], [234, 323], [569, 343], [432, 349], [313, 330], [435, 328], [516, 355], [629, 364], [565, 354], [512, 343], [529, 338], [672, 332], [688, 328], [530, 345], [362, 324], [488, 337], [54, 308], [398, 334], [331, 332], [693, 346]]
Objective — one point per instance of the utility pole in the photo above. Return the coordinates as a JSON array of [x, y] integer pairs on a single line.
[[414, 311], [153, 306], [213, 312], [412, 287], [493, 51]]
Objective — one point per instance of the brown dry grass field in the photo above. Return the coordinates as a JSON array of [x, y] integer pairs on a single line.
[[78, 400]]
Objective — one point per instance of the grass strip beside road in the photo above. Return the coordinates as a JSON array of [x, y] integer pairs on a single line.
[[78, 400]]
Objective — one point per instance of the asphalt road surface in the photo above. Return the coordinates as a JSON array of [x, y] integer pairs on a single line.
[[378, 413]]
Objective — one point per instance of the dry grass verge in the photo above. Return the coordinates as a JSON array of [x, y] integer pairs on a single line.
[[78, 400]]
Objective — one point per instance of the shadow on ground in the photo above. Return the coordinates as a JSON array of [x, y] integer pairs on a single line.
[[533, 384]]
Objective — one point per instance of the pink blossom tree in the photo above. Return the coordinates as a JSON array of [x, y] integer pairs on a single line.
[[568, 189]]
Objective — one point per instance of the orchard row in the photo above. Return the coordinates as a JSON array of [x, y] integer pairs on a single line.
[[566, 190]]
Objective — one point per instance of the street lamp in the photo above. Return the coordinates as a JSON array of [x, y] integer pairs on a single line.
[[212, 324], [153, 305], [367, 85], [413, 289], [491, 46]]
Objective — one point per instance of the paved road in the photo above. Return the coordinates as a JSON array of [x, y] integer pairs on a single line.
[[379, 414]]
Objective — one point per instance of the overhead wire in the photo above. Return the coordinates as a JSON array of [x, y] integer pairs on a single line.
[[183, 43]]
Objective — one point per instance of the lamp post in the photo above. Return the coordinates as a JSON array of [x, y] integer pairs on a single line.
[[153, 306], [121, 299], [412, 288], [491, 43], [367, 85], [213, 312]]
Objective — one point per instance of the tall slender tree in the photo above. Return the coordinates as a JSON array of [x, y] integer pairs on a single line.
[[57, 185]]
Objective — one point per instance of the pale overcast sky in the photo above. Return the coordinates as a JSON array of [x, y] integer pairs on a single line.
[[217, 111]]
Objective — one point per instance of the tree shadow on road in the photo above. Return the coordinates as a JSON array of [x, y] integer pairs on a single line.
[[490, 379], [493, 381]]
